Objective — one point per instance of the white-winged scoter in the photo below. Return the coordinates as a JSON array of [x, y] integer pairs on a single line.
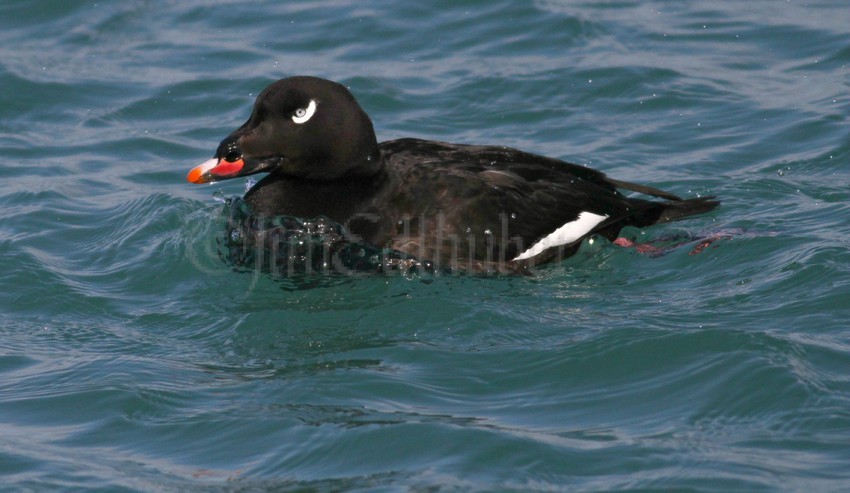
[[475, 206]]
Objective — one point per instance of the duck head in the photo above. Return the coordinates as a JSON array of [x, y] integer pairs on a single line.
[[301, 127]]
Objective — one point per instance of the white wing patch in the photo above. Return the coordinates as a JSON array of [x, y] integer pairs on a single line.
[[303, 114], [567, 233]]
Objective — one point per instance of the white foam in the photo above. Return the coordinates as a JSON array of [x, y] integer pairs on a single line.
[[568, 233]]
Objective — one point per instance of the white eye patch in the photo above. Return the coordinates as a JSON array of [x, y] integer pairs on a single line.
[[303, 114]]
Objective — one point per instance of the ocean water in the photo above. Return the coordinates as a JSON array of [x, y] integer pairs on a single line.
[[133, 359]]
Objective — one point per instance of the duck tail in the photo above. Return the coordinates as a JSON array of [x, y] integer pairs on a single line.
[[644, 189], [646, 213], [680, 209]]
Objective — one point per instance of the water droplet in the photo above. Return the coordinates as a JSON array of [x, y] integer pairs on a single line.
[[513, 215], [487, 232], [218, 196]]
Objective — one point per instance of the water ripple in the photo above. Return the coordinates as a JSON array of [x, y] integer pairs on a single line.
[[133, 358]]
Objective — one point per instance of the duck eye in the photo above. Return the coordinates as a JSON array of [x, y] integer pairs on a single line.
[[232, 153], [301, 115]]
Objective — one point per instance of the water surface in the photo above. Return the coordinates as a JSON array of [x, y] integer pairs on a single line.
[[133, 359]]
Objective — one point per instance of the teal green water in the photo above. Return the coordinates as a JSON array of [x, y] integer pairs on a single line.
[[133, 359]]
